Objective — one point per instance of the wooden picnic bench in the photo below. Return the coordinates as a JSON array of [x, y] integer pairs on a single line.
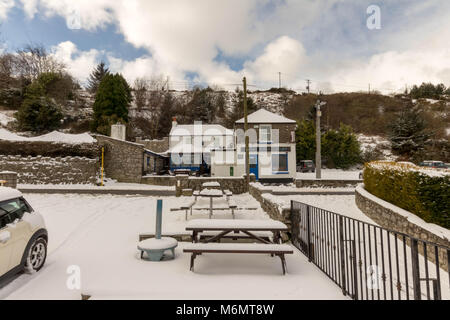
[[234, 229], [279, 250]]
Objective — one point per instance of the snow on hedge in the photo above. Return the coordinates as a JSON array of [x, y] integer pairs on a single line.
[[405, 167], [54, 136]]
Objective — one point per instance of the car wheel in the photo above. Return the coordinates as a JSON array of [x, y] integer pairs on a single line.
[[36, 255]]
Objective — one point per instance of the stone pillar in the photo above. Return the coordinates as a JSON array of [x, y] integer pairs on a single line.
[[8, 179], [181, 183]]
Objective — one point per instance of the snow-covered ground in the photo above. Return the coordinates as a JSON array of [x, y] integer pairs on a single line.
[[5, 118], [332, 174], [346, 206], [99, 234]]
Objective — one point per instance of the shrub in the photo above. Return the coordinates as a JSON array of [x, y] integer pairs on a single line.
[[424, 192]]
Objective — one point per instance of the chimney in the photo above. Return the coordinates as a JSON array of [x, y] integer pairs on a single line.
[[174, 122]]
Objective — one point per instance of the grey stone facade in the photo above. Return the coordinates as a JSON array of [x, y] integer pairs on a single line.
[[124, 161], [46, 170], [9, 178], [284, 130], [158, 146], [392, 220]]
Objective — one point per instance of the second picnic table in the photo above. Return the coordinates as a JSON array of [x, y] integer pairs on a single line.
[[211, 194]]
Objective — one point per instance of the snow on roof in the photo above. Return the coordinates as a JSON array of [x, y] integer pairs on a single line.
[[54, 136], [9, 193], [199, 130], [264, 116]]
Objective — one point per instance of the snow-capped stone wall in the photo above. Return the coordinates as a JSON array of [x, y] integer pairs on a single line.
[[394, 218], [47, 170]]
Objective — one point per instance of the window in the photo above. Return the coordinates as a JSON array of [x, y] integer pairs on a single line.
[[265, 134], [280, 163], [12, 210]]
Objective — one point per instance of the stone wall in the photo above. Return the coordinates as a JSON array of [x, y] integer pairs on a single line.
[[158, 146], [124, 161], [9, 178], [399, 220], [237, 185], [46, 170], [313, 183], [159, 180], [274, 210]]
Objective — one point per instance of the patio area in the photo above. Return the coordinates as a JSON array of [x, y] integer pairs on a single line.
[[99, 234]]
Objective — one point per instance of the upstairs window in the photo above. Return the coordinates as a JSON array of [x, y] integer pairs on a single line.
[[265, 133]]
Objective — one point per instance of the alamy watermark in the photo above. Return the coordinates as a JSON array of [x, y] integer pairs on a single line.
[[73, 20], [374, 19], [73, 281]]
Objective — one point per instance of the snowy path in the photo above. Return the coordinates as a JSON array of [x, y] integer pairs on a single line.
[[99, 234]]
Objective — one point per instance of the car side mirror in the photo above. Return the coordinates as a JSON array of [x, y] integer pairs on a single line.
[[5, 236]]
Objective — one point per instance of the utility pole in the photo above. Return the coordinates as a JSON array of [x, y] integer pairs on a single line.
[[279, 80], [369, 88], [308, 85], [247, 141], [319, 104]]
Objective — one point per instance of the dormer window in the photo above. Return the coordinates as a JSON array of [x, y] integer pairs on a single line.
[[265, 133]]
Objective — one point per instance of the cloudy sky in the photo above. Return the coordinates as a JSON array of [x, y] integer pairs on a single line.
[[217, 42]]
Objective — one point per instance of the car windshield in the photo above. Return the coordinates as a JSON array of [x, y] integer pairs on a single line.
[[12, 209]]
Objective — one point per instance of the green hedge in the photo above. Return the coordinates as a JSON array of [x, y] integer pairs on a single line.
[[425, 194]]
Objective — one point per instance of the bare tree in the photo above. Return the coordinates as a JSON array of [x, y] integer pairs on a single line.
[[34, 60], [141, 92]]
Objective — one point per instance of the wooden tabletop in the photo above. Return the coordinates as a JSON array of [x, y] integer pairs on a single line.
[[224, 225]]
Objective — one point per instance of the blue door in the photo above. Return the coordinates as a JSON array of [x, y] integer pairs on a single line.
[[254, 165]]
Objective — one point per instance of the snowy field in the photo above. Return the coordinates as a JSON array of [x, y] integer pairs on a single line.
[[331, 174], [99, 235]]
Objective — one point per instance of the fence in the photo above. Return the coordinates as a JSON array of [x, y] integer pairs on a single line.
[[369, 262]]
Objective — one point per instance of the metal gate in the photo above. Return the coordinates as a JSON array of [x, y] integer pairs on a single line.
[[369, 262]]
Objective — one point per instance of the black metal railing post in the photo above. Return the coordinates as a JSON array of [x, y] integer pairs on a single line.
[[342, 254], [355, 274], [415, 268], [308, 226]]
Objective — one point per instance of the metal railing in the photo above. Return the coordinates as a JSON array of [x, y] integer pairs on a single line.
[[369, 262]]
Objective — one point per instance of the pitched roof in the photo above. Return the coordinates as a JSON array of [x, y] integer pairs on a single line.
[[264, 116], [207, 129]]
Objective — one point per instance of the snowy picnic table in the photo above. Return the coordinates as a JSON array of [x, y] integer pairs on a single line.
[[211, 194], [247, 227], [211, 185]]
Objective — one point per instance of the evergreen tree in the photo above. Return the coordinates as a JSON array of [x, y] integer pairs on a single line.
[[202, 106], [408, 132], [111, 103], [341, 148], [306, 140], [39, 111], [96, 77], [38, 114]]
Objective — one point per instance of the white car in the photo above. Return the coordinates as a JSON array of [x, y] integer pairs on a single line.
[[23, 237]]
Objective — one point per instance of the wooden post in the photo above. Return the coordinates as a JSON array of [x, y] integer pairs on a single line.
[[247, 141], [103, 164]]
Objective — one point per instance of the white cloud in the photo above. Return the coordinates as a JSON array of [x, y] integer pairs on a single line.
[[78, 63], [5, 6], [186, 37]]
